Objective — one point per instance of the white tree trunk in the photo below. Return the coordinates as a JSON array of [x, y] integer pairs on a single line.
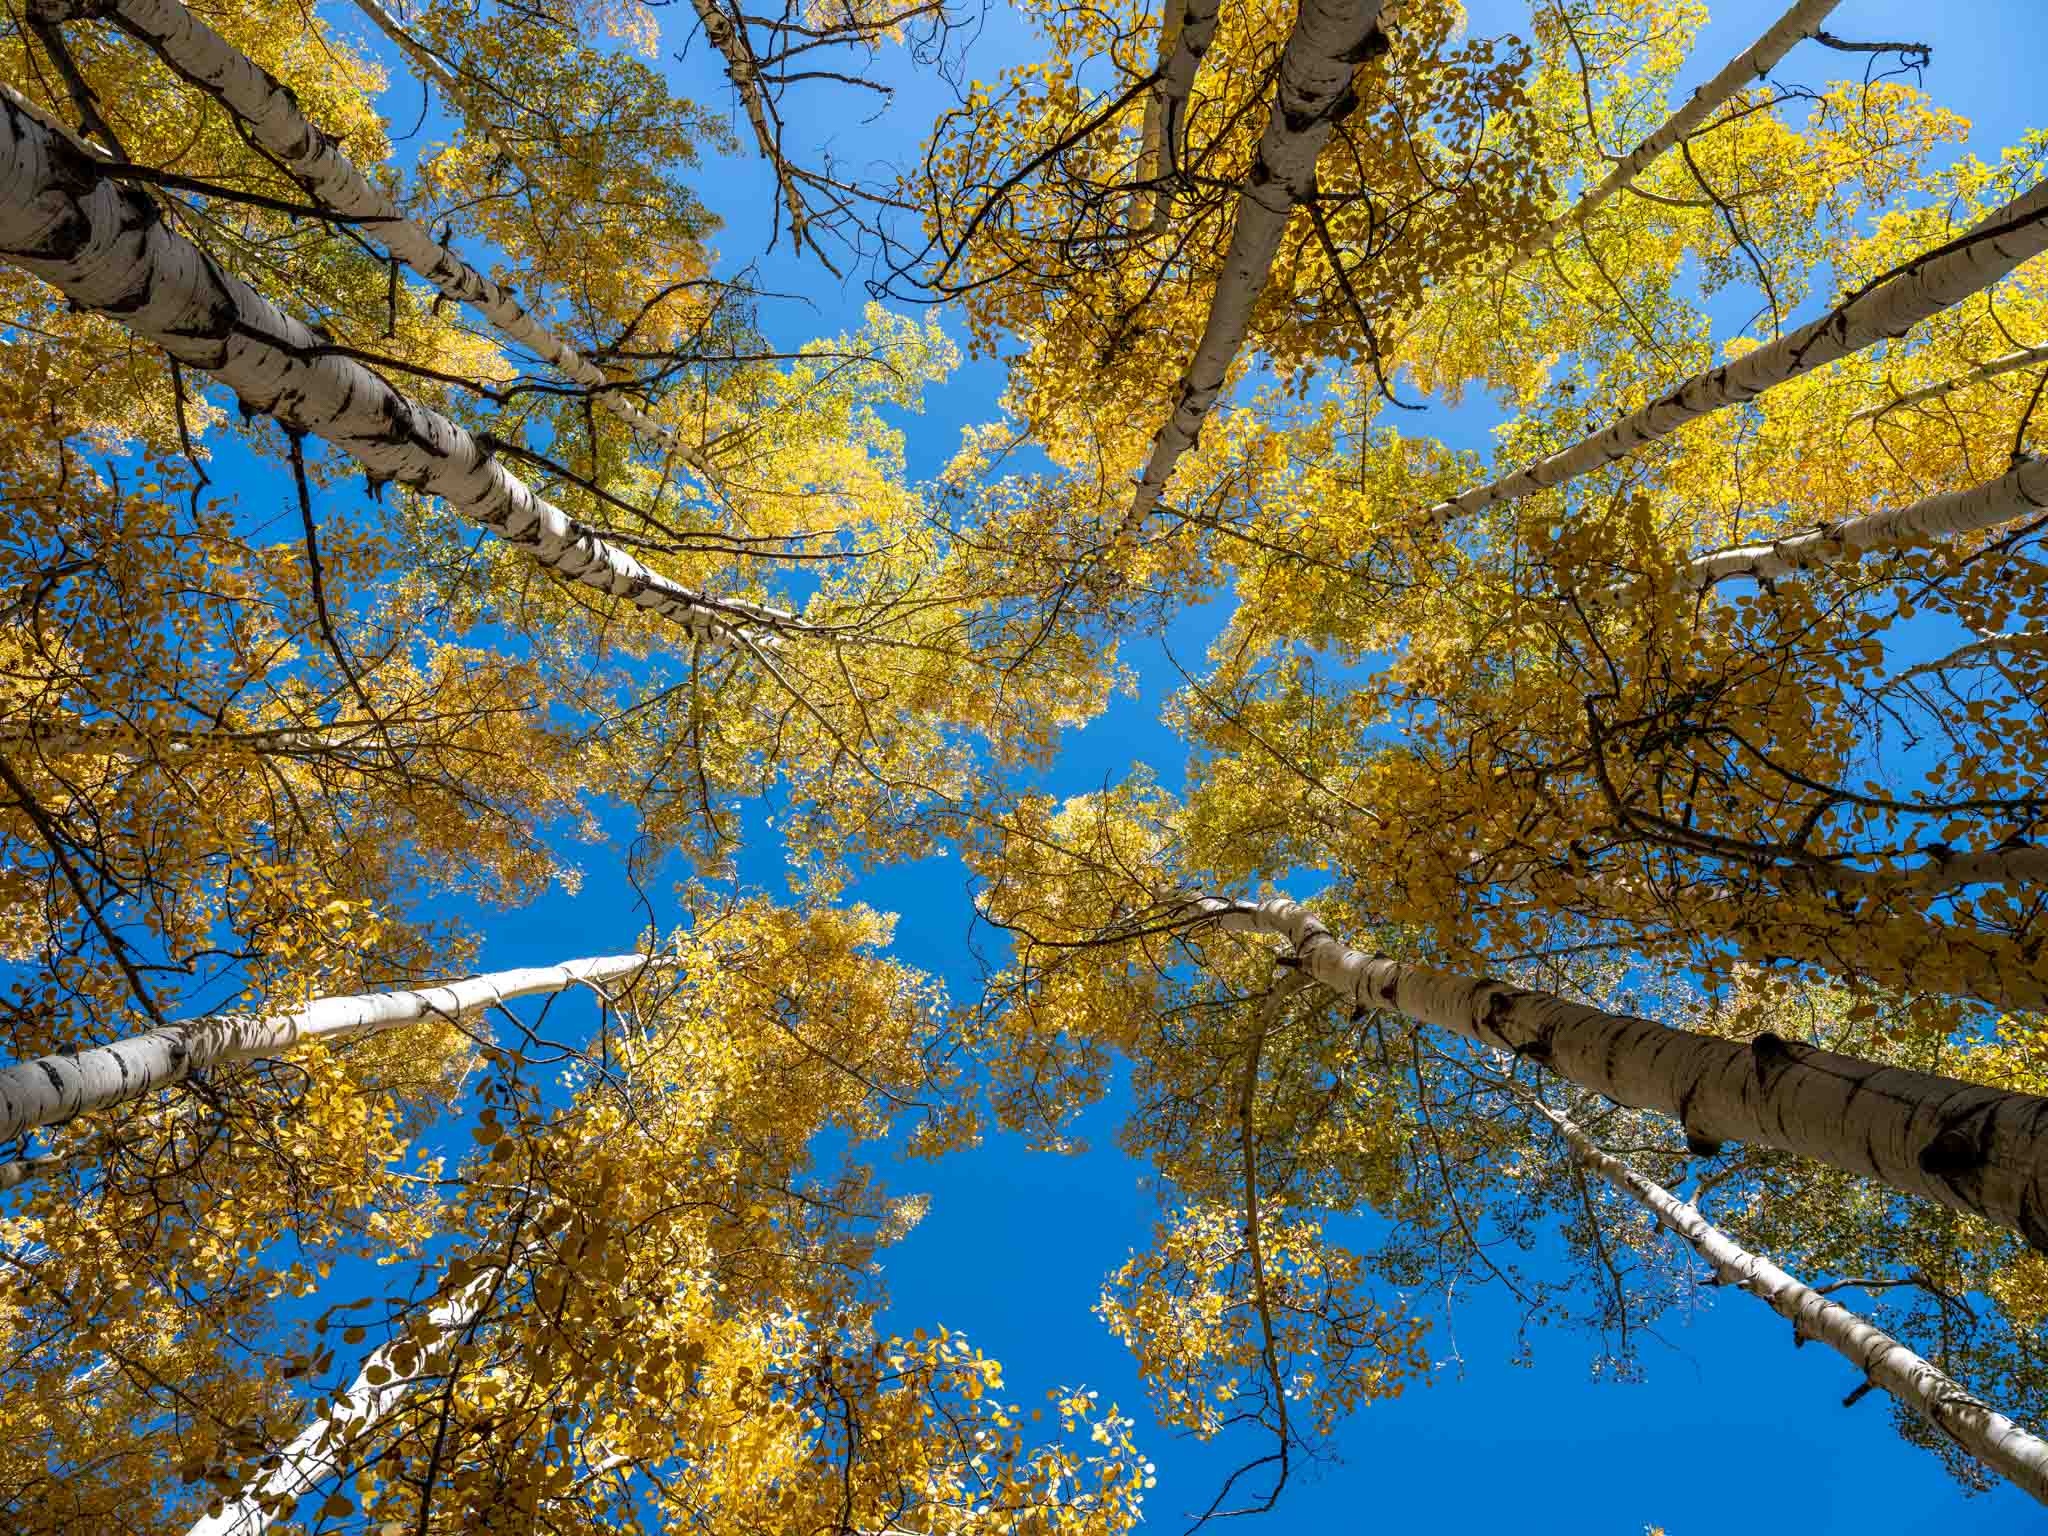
[[2020, 492], [1978, 1428], [271, 114], [1987, 648], [67, 735], [1329, 40], [326, 1446], [1994, 246], [745, 73], [104, 245], [2011, 362], [17, 1173], [2018, 864], [57, 1088], [1969, 1147], [1185, 31], [1753, 63]]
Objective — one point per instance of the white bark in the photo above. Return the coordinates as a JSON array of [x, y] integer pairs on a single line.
[[1969, 1147], [57, 1088], [13, 1175], [1330, 40], [1931, 283], [2011, 362], [1987, 648], [745, 74], [1186, 30], [1753, 63], [2020, 492], [104, 245], [2020, 864], [67, 735], [1991, 1437], [271, 114], [326, 1446]]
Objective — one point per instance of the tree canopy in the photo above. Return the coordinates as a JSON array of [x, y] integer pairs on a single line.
[[491, 590]]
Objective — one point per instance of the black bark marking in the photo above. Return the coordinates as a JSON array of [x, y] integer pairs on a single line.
[[1955, 1152], [1500, 1003], [1950, 1154], [1771, 1057]]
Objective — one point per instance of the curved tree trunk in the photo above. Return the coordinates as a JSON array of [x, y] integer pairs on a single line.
[[745, 73], [1969, 1147], [271, 114], [1330, 40], [1753, 63], [1994, 246], [104, 245], [57, 1088], [2014, 1452], [1185, 32], [2011, 362], [2020, 492], [327, 1445]]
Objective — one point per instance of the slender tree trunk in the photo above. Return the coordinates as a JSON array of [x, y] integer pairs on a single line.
[[1987, 1434], [326, 1445], [2011, 362], [2020, 492], [2026, 642], [1753, 63], [18, 1172], [105, 246], [2015, 866], [1185, 32], [1972, 1148], [1932, 282], [70, 736], [57, 1088], [1330, 40], [272, 117], [744, 71]]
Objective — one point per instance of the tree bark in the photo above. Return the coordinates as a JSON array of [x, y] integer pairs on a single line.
[[57, 1088], [70, 736], [2020, 492], [745, 73], [1972, 1148], [2026, 642], [1330, 40], [1185, 32], [271, 114], [1753, 63], [2011, 362], [104, 245], [2006, 1447], [323, 1447], [1930, 283], [2017, 865]]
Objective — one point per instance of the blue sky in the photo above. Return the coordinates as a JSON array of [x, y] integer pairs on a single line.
[[1731, 1425]]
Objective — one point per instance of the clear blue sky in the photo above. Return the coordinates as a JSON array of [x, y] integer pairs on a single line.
[[1732, 1425]]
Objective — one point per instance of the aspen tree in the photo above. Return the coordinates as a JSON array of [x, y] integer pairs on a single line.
[[1312, 95], [1980, 1430], [57, 1088]]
